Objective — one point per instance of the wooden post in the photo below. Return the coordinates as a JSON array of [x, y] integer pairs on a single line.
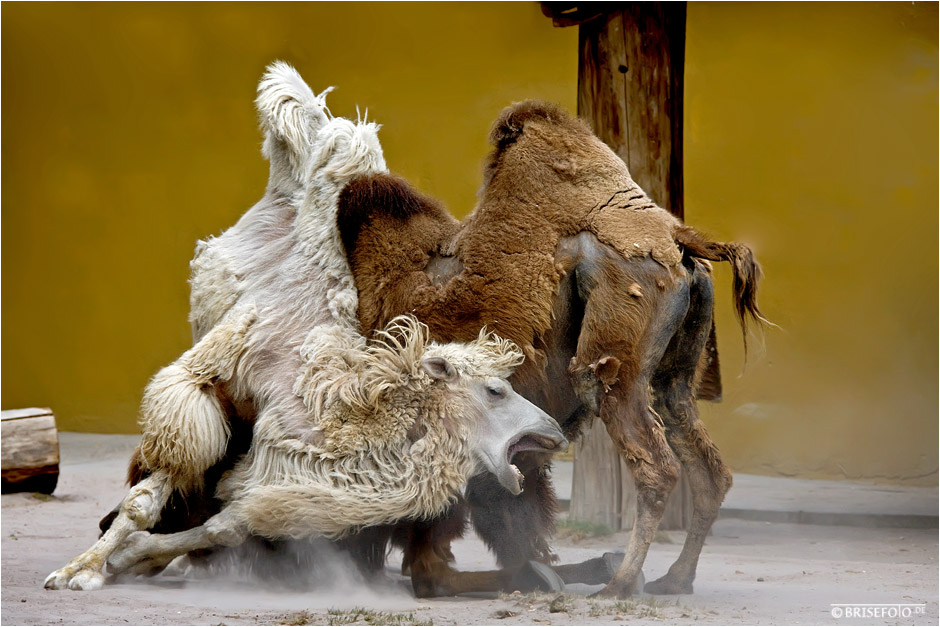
[[631, 64], [30, 458], [630, 72]]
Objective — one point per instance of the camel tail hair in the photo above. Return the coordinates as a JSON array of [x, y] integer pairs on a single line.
[[746, 273], [184, 427]]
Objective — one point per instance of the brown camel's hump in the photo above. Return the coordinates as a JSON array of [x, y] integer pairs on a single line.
[[379, 198], [390, 232], [511, 121]]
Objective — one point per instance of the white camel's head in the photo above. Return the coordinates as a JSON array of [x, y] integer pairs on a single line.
[[456, 391], [509, 424], [502, 422]]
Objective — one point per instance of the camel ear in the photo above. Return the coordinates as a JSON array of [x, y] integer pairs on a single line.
[[439, 368]]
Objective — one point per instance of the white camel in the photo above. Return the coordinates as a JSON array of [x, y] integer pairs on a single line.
[[347, 433]]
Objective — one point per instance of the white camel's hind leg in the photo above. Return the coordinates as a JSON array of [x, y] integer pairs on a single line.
[[291, 116], [185, 431], [142, 552], [140, 510]]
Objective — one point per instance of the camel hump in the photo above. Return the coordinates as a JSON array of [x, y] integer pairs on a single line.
[[380, 197], [511, 122]]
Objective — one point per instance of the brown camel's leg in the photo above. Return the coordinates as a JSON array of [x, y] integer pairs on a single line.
[[519, 547], [709, 478], [633, 308], [641, 439], [709, 481], [427, 556], [433, 576]]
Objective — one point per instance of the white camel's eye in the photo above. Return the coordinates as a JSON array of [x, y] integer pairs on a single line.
[[495, 392]]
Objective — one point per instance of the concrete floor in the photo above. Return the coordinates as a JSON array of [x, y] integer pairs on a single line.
[[811, 501], [751, 571]]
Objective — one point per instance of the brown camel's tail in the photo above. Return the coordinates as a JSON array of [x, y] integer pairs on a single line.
[[746, 273]]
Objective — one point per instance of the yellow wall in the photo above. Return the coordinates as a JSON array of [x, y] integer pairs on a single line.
[[812, 134], [129, 132], [811, 129]]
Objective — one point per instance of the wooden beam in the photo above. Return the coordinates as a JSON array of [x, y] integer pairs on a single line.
[[630, 77]]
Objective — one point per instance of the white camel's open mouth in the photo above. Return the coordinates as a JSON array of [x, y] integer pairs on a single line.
[[529, 442]]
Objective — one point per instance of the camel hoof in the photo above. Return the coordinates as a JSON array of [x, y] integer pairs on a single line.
[[537, 576], [616, 590], [59, 580], [87, 579], [71, 578], [668, 585], [74, 577]]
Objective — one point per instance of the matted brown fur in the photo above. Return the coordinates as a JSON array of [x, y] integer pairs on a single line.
[[554, 186]]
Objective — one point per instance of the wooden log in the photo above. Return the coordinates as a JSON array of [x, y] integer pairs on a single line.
[[29, 461], [631, 64]]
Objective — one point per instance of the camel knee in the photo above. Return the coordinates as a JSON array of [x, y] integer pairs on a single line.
[[225, 530], [145, 501], [655, 482], [140, 508]]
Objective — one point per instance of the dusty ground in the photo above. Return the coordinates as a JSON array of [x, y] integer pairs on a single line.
[[750, 573]]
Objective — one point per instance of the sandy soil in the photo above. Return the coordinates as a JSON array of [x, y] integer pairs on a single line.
[[750, 573]]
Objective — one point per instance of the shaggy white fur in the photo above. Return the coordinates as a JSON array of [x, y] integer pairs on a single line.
[[313, 155], [291, 116], [392, 439], [362, 467], [347, 433], [257, 290]]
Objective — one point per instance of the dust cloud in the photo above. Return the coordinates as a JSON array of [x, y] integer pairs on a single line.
[[276, 576]]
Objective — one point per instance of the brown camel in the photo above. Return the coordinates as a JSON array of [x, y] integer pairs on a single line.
[[609, 297]]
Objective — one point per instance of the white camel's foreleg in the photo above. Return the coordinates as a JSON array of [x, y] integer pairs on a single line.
[[142, 552], [140, 509]]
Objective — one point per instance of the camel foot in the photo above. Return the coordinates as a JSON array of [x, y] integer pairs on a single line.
[[536, 576], [75, 578], [668, 584], [618, 590]]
